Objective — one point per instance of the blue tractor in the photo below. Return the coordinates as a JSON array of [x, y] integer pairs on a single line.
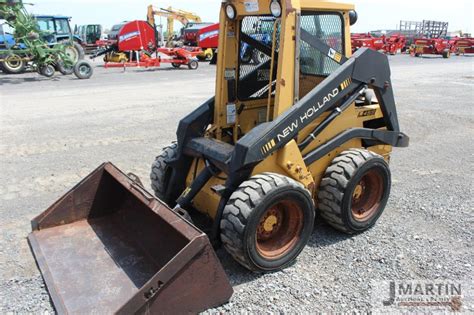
[[260, 31], [54, 28]]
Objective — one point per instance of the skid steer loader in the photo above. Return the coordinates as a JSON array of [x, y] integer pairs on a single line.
[[306, 128]]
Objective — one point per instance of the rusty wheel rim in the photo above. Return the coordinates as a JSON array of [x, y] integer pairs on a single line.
[[279, 229], [367, 195]]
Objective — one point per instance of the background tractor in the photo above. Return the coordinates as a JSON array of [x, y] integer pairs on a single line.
[[44, 41], [308, 129]]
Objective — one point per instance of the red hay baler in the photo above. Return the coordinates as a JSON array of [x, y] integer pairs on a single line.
[[430, 46], [462, 45], [136, 45]]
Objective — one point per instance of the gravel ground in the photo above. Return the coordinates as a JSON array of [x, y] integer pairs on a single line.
[[54, 132]]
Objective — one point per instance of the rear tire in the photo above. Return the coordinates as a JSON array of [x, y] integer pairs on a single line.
[[193, 65], [446, 54], [13, 64], [354, 190], [161, 172], [267, 222], [74, 51]]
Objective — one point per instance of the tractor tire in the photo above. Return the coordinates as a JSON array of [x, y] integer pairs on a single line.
[[63, 69], [214, 58], [47, 71], [83, 70], [193, 65], [417, 55], [247, 56], [354, 190], [160, 172], [176, 65], [13, 64], [258, 57], [74, 51], [446, 54], [267, 222]]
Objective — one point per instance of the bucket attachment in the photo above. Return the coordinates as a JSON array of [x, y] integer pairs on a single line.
[[108, 246]]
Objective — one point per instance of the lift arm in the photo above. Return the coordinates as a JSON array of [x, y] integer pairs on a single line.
[[365, 68]]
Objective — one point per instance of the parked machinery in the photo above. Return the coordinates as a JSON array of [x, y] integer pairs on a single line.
[[394, 44], [430, 46], [429, 35], [208, 40], [366, 40], [188, 39], [31, 45], [462, 45], [135, 45], [90, 34], [389, 45]]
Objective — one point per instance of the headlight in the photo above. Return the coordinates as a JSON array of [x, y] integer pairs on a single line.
[[230, 12], [275, 8]]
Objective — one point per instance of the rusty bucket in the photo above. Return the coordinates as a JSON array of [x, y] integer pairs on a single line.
[[108, 246]]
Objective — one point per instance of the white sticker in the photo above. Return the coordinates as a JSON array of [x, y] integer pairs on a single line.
[[332, 53], [251, 5], [231, 113]]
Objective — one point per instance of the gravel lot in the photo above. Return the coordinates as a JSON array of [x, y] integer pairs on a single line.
[[54, 132]]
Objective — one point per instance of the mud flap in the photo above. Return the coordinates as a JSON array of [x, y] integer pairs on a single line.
[[108, 246]]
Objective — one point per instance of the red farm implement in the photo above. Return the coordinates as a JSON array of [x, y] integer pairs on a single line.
[[177, 57], [135, 45], [461, 46], [394, 44], [430, 46], [366, 40], [388, 45], [208, 37]]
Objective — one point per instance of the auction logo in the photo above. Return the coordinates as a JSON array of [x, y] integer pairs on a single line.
[[442, 295]]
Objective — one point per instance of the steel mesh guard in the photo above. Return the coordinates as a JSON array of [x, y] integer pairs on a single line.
[[254, 63], [327, 27]]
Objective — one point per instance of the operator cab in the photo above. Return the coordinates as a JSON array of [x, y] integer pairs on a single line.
[[321, 45]]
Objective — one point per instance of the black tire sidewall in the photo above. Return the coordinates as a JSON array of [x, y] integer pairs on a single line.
[[9, 70], [281, 193], [78, 73], [48, 71], [346, 215], [193, 65]]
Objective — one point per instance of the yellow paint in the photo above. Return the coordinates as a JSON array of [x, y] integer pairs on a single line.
[[288, 160]]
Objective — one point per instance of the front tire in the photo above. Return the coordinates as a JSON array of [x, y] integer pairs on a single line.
[[354, 190], [267, 222], [161, 173], [63, 69], [47, 71]]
